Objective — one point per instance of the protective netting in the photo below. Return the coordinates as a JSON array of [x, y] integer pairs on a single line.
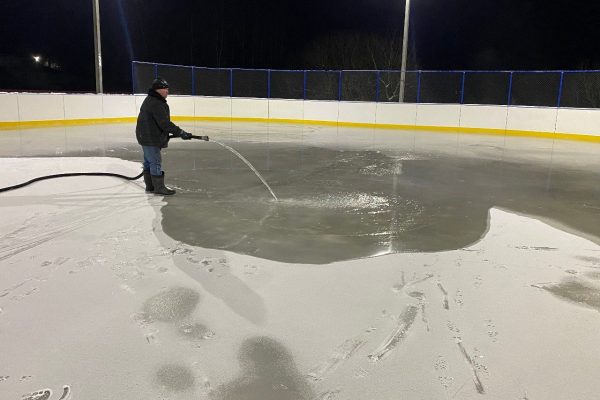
[[389, 87], [440, 87], [143, 75], [287, 84], [486, 88], [359, 86], [250, 83], [179, 78], [535, 89], [581, 90], [212, 82], [322, 85]]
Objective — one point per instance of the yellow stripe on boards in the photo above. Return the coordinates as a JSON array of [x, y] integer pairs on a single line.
[[64, 122], [449, 129]]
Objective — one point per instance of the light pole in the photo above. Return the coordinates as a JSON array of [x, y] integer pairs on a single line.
[[404, 51], [97, 46]]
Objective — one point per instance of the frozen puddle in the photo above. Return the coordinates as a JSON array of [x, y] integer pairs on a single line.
[[97, 300]]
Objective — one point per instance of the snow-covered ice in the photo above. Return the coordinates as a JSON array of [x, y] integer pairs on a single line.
[[98, 302]]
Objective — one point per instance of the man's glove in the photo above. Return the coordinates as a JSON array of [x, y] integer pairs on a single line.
[[185, 135]]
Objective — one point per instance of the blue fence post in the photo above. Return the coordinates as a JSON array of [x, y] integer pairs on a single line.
[[304, 89], [462, 88], [155, 71], [377, 86], [510, 82], [230, 82], [133, 77], [418, 86], [193, 82], [268, 84], [560, 88], [340, 87]]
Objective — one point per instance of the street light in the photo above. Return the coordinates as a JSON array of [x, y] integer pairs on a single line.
[[97, 46], [404, 51]]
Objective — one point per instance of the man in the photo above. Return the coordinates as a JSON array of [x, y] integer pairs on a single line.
[[153, 131]]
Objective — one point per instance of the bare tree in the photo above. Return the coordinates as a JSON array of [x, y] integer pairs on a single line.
[[361, 51]]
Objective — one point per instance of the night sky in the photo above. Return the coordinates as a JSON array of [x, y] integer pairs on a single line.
[[334, 34]]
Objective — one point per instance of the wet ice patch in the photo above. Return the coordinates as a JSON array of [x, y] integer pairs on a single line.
[[350, 201], [594, 261], [268, 373], [577, 292], [171, 305], [175, 377], [382, 170], [591, 275], [195, 332], [43, 394]]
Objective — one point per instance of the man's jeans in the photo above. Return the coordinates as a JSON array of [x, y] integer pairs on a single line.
[[152, 160]]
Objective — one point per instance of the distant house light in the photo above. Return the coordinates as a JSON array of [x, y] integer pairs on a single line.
[[37, 58]]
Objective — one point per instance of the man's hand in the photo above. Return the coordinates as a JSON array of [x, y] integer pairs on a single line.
[[185, 135]]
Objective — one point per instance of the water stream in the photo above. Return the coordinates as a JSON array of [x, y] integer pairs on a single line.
[[249, 165]]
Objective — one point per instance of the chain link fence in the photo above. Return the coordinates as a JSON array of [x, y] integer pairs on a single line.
[[212, 82], [486, 88], [577, 89], [287, 85]]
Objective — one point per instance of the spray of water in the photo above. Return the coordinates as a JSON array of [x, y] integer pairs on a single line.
[[249, 165]]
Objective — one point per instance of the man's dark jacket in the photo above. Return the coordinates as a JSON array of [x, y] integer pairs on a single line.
[[154, 122]]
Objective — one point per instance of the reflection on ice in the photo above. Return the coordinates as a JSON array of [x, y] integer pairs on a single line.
[[349, 201]]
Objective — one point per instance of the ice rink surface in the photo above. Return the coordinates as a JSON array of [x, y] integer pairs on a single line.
[[395, 265]]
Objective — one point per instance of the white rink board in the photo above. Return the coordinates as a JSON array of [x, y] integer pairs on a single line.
[[139, 99], [396, 114], [358, 112], [286, 109], [40, 107], [586, 122], [83, 106], [219, 107], [9, 107], [438, 115], [487, 117], [181, 106], [117, 106], [321, 110], [531, 119], [250, 108], [55, 106]]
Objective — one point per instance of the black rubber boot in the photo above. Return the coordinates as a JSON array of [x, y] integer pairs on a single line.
[[159, 185], [148, 181]]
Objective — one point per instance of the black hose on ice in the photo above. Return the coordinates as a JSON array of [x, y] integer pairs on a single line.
[[41, 178], [129, 178]]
